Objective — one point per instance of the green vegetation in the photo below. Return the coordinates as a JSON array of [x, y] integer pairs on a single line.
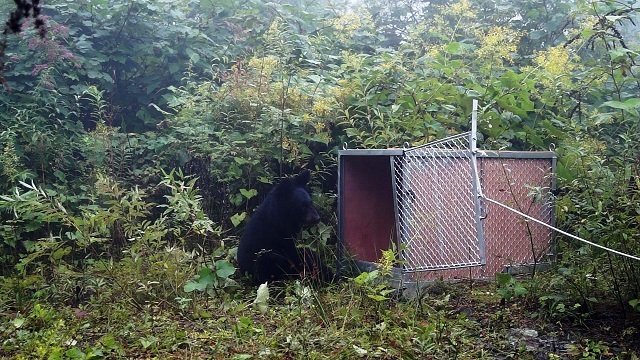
[[140, 135]]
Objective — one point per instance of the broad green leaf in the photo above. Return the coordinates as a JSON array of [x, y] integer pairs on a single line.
[[453, 48], [240, 160], [191, 286], [224, 269], [74, 353], [623, 105], [510, 79], [148, 341], [563, 172], [59, 175], [377, 297], [537, 34], [315, 78], [533, 137], [519, 290], [95, 354], [205, 278], [173, 68], [362, 278], [248, 193], [18, 322], [237, 219], [261, 301], [552, 129], [617, 53], [614, 18]]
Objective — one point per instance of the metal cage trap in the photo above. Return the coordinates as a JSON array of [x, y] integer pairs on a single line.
[[427, 200]]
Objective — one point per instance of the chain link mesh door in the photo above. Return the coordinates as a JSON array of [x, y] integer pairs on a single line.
[[437, 211]]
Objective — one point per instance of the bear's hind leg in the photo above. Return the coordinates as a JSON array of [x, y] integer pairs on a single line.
[[274, 266]]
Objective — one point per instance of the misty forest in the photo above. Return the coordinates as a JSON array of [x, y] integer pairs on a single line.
[[138, 137]]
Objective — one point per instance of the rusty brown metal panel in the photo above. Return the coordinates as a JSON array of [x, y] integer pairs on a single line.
[[514, 240], [367, 213]]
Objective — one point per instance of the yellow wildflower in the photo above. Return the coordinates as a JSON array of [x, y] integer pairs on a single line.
[[555, 61], [497, 44], [9, 160], [319, 127], [462, 9], [352, 21], [345, 88], [263, 65], [352, 61], [322, 106], [291, 146]]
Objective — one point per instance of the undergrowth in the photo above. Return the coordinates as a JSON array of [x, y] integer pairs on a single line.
[[189, 305], [301, 321]]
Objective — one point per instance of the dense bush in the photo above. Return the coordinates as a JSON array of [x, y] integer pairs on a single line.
[[235, 94]]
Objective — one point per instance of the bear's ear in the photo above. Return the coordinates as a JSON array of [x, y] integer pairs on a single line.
[[284, 188], [303, 178]]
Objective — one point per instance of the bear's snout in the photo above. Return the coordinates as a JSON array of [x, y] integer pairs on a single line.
[[312, 217]]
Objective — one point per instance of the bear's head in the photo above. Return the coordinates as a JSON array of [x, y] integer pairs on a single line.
[[295, 201]]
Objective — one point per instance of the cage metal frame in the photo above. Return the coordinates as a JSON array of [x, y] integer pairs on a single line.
[[481, 157]]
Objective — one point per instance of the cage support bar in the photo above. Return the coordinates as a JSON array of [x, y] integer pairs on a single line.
[[477, 187]]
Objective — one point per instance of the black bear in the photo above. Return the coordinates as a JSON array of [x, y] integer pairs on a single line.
[[267, 250]]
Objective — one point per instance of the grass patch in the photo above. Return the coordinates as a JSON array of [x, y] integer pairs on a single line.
[[301, 321]]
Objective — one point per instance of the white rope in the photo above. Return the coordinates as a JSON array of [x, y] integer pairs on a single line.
[[558, 230]]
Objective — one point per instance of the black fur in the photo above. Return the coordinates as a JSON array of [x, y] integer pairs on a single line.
[[267, 249]]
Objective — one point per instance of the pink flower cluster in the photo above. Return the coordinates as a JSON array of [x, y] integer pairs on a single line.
[[38, 68], [52, 49]]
